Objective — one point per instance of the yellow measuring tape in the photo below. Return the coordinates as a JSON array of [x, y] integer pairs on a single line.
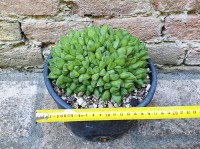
[[103, 114]]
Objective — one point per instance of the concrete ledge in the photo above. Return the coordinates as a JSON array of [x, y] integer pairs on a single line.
[[22, 93]]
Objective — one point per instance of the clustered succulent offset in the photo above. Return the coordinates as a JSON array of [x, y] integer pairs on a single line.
[[99, 61]]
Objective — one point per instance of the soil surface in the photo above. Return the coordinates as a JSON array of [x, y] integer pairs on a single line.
[[81, 101]]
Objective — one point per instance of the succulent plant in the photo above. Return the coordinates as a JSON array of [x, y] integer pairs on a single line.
[[99, 61]]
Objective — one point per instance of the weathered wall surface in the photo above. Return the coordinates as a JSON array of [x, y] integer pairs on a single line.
[[29, 28]]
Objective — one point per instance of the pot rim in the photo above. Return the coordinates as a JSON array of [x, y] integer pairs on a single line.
[[60, 101]]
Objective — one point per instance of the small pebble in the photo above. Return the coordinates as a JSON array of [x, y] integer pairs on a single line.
[[84, 104], [75, 105], [127, 105], [148, 87], [95, 105], [110, 105], [80, 100], [115, 105], [100, 106], [128, 99], [80, 94], [64, 97], [139, 93], [91, 106], [71, 98]]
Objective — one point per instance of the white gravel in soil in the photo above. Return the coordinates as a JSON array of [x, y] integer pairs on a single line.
[[81, 101]]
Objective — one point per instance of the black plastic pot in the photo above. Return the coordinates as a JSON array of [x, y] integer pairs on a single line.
[[100, 130]]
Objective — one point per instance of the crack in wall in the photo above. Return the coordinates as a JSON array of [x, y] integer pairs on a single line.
[[24, 38], [185, 56]]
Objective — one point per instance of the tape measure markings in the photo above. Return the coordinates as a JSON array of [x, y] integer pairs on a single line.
[[100, 114]]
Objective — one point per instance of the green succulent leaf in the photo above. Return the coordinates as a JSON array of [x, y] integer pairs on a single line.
[[120, 61], [125, 75], [140, 71], [90, 88], [114, 90], [52, 76], [130, 50], [55, 70], [82, 70], [111, 65], [88, 93], [116, 83], [107, 86], [73, 86], [70, 66], [103, 72], [67, 79], [111, 48], [52, 62], [116, 44], [60, 81], [106, 95], [122, 51], [69, 58], [117, 99], [81, 41], [91, 33], [124, 91], [90, 71], [102, 65], [56, 51], [100, 88], [104, 29], [114, 77], [139, 83], [106, 78], [85, 64], [98, 55], [69, 91], [119, 33], [95, 76], [95, 62], [77, 62], [93, 83], [128, 85], [80, 57], [82, 88], [74, 74], [96, 93], [91, 56], [87, 76], [90, 46], [130, 90], [100, 82], [81, 78]]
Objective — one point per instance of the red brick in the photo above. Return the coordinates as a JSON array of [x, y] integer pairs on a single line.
[[181, 27], [146, 28], [29, 7], [50, 31], [176, 5], [111, 7]]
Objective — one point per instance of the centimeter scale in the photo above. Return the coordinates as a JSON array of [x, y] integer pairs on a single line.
[[104, 114]]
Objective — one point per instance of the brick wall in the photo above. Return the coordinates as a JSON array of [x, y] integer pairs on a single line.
[[29, 28]]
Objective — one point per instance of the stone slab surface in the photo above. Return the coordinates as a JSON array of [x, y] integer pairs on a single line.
[[22, 93]]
